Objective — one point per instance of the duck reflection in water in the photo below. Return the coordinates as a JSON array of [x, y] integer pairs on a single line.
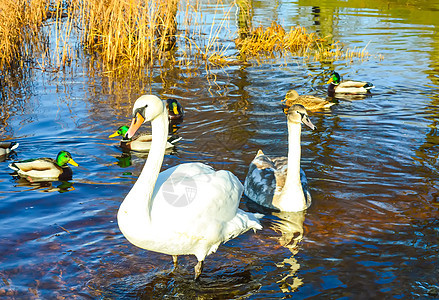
[[45, 186], [124, 161]]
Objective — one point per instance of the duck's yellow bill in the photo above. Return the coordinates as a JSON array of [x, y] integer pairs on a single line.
[[175, 109], [114, 134], [330, 80], [72, 162]]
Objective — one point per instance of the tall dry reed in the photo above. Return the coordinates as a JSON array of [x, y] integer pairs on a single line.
[[276, 40], [21, 35], [11, 22], [134, 34], [128, 32]]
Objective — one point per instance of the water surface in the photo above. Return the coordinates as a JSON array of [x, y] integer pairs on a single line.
[[372, 166]]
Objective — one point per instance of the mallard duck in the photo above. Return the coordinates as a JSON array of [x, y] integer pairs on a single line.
[[279, 183], [6, 148], [46, 169], [186, 209], [308, 101], [142, 143], [175, 110], [347, 87]]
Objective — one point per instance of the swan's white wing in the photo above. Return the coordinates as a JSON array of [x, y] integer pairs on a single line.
[[196, 209], [198, 190]]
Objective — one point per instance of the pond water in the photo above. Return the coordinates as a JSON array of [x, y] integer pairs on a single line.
[[371, 232]]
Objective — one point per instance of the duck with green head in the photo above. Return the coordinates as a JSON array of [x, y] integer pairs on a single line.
[[141, 143], [337, 86], [175, 110], [46, 169]]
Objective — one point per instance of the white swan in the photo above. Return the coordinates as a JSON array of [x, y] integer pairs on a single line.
[[187, 209], [279, 183]]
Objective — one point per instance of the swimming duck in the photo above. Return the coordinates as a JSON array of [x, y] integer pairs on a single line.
[[308, 101], [187, 209], [6, 148], [279, 183], [175, 110], [142, 143], [46, 169], [347, 87]]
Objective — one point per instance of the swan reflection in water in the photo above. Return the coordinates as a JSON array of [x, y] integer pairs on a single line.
[[290, 226]]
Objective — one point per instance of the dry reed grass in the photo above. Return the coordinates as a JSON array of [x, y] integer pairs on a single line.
[[125, 34], [129, 33], [22, 37], [11, 23], [275, 40], [135, 34]]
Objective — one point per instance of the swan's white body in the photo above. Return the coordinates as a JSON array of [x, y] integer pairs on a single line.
[[280, 183], [187, 209]]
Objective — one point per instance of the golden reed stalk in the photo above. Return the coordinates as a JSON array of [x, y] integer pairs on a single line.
[[135, 34], [130, 32], [275, 40]]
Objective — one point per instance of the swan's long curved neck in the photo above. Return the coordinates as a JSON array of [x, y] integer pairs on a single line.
[[292, 196], [141, 192], [294, 154]]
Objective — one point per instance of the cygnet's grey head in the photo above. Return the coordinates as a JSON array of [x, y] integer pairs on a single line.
[[297, 114]]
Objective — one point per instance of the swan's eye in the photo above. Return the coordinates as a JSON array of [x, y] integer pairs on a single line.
[[141, 111]]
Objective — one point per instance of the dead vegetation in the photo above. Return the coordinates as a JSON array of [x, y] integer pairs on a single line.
[[20, 21], [275, 40], [136, 34]]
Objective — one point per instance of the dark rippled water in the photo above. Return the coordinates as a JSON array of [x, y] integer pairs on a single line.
[[372, 165]]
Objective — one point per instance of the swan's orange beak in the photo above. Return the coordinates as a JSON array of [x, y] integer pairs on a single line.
[[135, 124]]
